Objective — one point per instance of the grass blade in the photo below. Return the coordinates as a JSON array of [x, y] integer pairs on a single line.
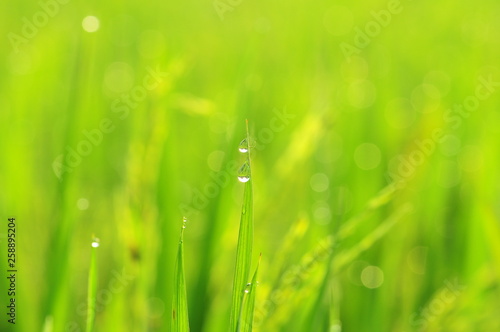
[[245, 321], [244, 249], [180, 318], [92, 287]]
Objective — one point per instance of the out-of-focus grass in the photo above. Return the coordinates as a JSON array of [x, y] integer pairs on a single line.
[[176, 150]]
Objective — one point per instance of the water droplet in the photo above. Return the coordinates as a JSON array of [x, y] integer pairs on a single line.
[[247, 288], [184, 222], [243, 147], [95, 243], [244, 172]]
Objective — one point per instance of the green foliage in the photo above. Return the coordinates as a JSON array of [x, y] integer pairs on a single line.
[[180, 317], [245, 244], [367, 218], [245, 320], [92, 288]]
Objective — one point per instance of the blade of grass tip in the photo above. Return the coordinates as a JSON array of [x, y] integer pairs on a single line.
[[245, 239], [245, 322], [180, 318], [92, 287]]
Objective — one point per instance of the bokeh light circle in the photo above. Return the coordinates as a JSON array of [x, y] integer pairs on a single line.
[[82, 204], [367, 156], [319, 182], [90, 24], [372, 277]]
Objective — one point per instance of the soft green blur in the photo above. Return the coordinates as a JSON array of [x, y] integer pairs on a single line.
[[123, 131]]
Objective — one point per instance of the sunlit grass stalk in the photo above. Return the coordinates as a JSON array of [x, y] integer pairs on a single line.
[[180, 317], [92, 287], [244, 248]]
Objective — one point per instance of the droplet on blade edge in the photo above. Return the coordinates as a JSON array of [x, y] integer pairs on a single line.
[[243, 178], [243, 146], [244, 172], [95, 243]]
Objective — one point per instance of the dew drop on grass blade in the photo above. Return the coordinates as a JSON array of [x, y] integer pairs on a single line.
[[245, 239], [244, 172], [92, 286], [180, 318], [243, 147], [245, 322]]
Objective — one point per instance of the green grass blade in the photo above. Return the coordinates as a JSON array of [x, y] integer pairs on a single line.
[[180, 318], [92, 287], [245, 322], [244, 249]]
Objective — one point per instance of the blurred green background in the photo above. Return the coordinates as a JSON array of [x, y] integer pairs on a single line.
[[119, 118]]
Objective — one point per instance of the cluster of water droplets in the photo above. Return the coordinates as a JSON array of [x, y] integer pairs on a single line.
[[249, 286], [244, 171], [184, 222]]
